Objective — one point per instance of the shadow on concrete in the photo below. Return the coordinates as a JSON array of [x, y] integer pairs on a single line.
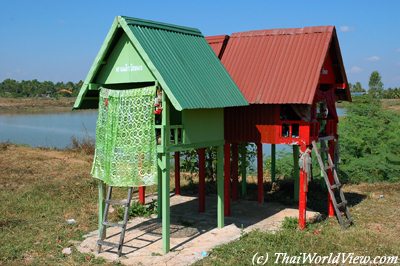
[[187, 223]]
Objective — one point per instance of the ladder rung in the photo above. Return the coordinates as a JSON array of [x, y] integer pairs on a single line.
[[113, 224], [342, 204], [347, 223], [106, 243], [335, 186], [326, 138], [117, 202], [343, 215], [329, 167]]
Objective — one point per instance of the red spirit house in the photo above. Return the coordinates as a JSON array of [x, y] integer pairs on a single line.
[[292, 79]]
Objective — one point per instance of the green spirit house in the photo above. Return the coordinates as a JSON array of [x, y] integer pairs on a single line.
[[159, 89]]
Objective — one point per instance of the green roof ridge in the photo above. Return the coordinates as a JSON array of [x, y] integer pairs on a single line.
[[179, 58], [161, 25]]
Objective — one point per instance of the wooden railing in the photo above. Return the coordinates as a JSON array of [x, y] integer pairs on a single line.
[[177, 134], [294, 130]]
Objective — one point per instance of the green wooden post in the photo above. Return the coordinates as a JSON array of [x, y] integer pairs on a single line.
[[165, 203], [296, 172], [159, 187], [220, 186], [165, 183], [273, 162], [102, 193], [243, 169]]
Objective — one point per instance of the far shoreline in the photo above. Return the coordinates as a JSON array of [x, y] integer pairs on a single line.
[[36, 105], [46, 105]]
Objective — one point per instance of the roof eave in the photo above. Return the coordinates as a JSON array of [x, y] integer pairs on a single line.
[[97, 63], [343, 71]]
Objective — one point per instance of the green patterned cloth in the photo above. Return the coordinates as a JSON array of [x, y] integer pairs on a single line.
[[126, 153]]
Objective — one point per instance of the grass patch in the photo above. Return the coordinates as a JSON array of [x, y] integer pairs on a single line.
[[290, 223], [39, 191], [376, 232], [86, 145], [138, 209]]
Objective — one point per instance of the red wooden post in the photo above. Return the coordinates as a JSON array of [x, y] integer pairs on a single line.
[[202, 179], [331, 210], [142, 194], [260, 183], [303, 188], [177, 173], [235, 167], [227, 179]]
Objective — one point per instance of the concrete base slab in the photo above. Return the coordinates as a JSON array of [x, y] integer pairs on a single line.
[[193, 234]]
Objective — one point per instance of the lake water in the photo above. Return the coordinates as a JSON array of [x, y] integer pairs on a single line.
[[56, 129], [47, 130]]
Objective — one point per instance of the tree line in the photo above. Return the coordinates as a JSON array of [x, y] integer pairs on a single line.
[[376, 88], [35, 88]]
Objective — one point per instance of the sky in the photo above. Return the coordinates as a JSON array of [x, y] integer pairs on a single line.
[[58, 40]]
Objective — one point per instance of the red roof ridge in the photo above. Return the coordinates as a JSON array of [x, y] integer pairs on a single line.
[[216, 38], [278, 66], [283, 31]]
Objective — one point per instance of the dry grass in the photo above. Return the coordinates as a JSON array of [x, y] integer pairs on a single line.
[[35, 105], [391, 104], [85, 145], [40, 189]]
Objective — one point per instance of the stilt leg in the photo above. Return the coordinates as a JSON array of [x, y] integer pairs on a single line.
[[165, 203], [235, 174], [142, 195], [102, 193], [165, 175], [202, 179], [220, 186], [296, 173], [177, 173], [273, 162], [303, 187], [243, 170], [260, 183], [159, 189], [227, 179]]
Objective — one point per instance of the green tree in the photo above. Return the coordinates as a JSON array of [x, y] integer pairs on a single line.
[[35, 88], [369, 149], [375, 84], [357, 87], [391, 93]]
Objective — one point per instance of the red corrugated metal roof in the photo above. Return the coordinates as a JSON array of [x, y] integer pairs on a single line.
[[277, 66], [218, 43]]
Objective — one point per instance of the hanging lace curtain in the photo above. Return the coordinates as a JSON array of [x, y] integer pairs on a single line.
[[125, 154]]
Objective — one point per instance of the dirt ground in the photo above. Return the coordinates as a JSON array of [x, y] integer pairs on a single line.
[[391, 104]]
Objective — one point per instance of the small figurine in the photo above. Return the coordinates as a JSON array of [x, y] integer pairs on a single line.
[[157, 102]]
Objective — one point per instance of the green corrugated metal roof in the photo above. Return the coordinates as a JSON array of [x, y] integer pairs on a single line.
[[181, 61]]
